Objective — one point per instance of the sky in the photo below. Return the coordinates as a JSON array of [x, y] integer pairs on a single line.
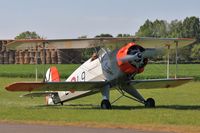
[[60, 19]]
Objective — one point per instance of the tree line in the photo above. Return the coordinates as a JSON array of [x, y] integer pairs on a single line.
[[187, 28]]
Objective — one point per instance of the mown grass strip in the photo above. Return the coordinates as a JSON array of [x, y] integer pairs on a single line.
[[151, 71]]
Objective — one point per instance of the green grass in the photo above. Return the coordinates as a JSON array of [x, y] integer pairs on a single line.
[[160, 70], [177, 106], [151, 71], [28, 71]]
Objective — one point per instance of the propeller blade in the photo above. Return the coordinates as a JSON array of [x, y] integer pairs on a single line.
[[148, 53], [129, 58]]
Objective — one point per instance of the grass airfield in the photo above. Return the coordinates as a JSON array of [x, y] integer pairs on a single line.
[[178, 109]]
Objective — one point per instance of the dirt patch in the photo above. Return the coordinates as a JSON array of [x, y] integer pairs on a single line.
[[142, 127]]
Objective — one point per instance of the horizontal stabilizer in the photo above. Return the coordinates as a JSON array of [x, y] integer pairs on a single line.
[[158, 83], [76, 95], [63, 96], [38, 94]]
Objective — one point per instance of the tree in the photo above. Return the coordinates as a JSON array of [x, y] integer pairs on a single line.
[[159, 28], [175, 29], [104, 35], [146, 29], [196, 52], [124, 35], [191, 27], [28, 35]]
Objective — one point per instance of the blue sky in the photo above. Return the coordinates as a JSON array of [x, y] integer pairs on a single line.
[[73, 18]]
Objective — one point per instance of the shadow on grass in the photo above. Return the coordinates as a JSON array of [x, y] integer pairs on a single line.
[[68, 106], [180, 107], [175, 107], [119, 107]]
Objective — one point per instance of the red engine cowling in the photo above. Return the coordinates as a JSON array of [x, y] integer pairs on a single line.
[[127, 67]]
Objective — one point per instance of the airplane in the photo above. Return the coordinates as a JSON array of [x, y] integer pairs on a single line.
[[114, 65]]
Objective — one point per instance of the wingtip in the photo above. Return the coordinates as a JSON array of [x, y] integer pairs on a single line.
[[13, 87], [8, 88]]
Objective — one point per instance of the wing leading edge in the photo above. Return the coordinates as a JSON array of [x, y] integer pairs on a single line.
[[56, 86]]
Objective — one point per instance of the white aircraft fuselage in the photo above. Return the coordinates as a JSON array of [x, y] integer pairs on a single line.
[[107, 66]]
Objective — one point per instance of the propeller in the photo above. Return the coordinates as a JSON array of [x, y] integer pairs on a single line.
[[131, 57], [149, 53], [138, 56]]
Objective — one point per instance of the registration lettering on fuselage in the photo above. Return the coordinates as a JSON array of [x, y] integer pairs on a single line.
[[79, 77]]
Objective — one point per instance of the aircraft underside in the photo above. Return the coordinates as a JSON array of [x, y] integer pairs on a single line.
[[62, 96]]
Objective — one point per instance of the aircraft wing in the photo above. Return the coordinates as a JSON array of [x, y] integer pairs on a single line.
[[56, 86], [158, 83], [149, 42], [146, 42], [65, 43], [52, 44]]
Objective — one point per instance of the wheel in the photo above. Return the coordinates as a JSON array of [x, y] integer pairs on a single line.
[[150, 103], [105, 104]]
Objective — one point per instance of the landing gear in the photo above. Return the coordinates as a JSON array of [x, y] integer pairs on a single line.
[[150, 103], [136, 96], [105, 104]]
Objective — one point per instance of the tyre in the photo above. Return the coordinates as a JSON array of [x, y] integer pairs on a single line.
[[150, 103], [105, 104]]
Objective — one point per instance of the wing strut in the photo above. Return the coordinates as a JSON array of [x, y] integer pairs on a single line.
[[168, 53], [176, 58], [176, 70]]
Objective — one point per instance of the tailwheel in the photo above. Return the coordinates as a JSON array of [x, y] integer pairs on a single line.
[[150, 103], [105, 104]]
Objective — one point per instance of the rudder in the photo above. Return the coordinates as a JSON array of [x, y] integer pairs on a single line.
[[52, 75]]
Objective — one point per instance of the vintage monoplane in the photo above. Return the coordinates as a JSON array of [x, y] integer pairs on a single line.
[[114, 65]]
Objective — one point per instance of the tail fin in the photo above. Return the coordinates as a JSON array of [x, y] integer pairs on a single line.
[[52, 75]]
